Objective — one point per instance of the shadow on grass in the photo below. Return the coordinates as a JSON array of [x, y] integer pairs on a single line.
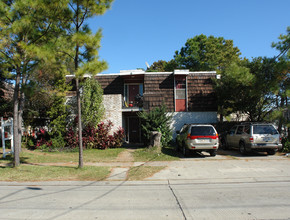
[[9, 160]]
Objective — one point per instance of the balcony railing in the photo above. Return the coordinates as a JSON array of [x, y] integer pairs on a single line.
[[136, 104]]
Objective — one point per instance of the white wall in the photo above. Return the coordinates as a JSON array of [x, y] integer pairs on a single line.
[[113, 110]]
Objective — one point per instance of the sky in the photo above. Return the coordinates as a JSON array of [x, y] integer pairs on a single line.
[[140, 31]]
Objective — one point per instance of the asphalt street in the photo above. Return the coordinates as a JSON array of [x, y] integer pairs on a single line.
[[256, 187]]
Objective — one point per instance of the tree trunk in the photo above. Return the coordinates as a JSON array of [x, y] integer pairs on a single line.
[[78, 91], [16, 120], [20, 113], [79, 125]]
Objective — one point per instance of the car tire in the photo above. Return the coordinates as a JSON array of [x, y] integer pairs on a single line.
[[271, 152], [242, 148], [213, 153]]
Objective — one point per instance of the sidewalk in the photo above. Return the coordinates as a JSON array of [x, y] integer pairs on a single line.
[[200, 169]]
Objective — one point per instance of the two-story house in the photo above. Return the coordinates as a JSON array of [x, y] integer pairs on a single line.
[[188, 95]]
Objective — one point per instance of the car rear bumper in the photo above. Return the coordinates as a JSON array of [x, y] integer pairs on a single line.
[[202, 147], [264, 146]]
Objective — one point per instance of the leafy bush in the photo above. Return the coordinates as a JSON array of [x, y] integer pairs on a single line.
[[286, 145], [97, 137], [71, 138], [117, 138], [58, 142], [156, 120]]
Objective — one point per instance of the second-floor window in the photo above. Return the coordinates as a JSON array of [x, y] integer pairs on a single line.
[[180, 93], [132, 94]]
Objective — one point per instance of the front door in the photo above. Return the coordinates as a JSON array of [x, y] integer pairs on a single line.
[[134, 130]]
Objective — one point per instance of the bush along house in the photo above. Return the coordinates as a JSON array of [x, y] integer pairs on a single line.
[[188, 95]]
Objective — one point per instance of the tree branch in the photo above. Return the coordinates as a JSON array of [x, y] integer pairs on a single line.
[[45, 32], [66, 54]]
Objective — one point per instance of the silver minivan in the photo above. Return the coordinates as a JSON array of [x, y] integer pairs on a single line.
[[198, 138], [249, 137]]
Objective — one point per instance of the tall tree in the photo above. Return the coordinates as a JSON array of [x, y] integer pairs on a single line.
[[26, 32], [233, 89], [84, 47], [163, 66], [207, 53], [282, 91]]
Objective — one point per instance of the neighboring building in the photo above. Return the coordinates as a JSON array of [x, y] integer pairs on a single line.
[[189, 95]]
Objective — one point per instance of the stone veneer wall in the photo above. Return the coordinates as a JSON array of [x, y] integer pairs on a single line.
[[113, 110]]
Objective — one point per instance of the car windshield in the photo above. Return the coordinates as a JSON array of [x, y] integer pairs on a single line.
[[264, 129], [202, 131]]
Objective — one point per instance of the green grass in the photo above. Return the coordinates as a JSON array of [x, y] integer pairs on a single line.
[[151, 154], [90, 156], [55, 173], [46, 166]]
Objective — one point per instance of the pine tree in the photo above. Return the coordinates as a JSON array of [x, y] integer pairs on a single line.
[[82, 48]]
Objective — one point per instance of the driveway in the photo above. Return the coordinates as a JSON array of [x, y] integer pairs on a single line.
[[227, 166]]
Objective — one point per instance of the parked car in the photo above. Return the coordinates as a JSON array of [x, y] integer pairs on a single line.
[[198, 138], [249, 137]]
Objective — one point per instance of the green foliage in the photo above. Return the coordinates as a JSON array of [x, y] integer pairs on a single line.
[[163, 66], [233, 89], [207, 53], [156, 120], [91, 102], [58, 142], [284, 44]]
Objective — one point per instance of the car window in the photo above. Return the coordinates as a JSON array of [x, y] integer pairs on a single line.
[[247, 129], [233, 130], [202, 131], [240, 130], [264, 129]]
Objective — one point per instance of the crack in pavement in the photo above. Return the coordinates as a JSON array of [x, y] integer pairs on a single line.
[[177, 200]]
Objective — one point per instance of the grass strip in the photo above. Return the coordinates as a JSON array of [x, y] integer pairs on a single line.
[[53, 173], [90, 156]]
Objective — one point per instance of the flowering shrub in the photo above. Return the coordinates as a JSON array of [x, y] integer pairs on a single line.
[[71, 138], [118, 137], [96, 137], [41, 140]]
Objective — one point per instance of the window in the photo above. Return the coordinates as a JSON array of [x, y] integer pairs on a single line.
[[180, 93], [233, 130], [202, 131], [131, 93], [240, 130]]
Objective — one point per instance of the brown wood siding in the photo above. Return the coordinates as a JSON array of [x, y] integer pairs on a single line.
[[111, 84], [159, 88], [201, 95]]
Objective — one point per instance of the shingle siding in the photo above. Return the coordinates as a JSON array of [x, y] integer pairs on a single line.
[[201, 95], [111, 84], [158, 89]]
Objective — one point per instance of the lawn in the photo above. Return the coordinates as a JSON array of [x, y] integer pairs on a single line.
[[90, 156], [53, 173], [61, 166]]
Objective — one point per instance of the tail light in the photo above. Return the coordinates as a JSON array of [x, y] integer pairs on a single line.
[[251, 139], [202, 136], [280, 139]]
